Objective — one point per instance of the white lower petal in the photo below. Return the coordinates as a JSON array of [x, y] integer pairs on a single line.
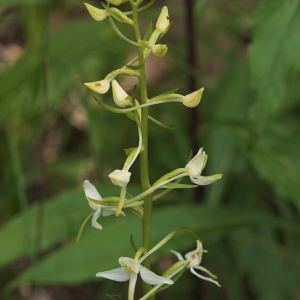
[[205, 180], [204, 278], [131, 287], [118, 274], [153, 279], [96, 215]]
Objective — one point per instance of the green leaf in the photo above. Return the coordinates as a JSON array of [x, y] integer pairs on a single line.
[[274, 54]]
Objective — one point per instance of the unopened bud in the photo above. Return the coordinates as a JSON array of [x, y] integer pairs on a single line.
[[100, 87], [159, 50], [163, 20], [193, 99], [121, 98], [96, 13]]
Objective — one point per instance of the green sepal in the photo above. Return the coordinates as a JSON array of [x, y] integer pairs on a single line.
[[173, 185], [160, 123]]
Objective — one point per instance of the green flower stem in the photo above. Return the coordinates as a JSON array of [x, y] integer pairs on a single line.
[[147, 217]]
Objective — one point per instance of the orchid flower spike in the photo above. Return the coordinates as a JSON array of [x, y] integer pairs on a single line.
[[129, 270], [96, 13], [100, 87], [194, 169], [92, 193], [195, 258], [120, 97]]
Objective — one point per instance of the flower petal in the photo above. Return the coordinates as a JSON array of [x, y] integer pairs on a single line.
[[96, 215], [151, 278], [118, 274], [204, 278], [178, 255], [90, 191], [205, 180]]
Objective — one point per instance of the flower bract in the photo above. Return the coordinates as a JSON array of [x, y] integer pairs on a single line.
[[195, 258]]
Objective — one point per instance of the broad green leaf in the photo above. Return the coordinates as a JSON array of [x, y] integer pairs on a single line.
[[274, 54]]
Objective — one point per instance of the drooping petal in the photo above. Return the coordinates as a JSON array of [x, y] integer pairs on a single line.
[[131, 287], [96, 215], [205, 180], [204, 278], [151, 278], [206, 271], [178, 255], [118, 274]]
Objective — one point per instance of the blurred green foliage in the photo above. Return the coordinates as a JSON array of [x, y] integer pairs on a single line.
[[55, 136]]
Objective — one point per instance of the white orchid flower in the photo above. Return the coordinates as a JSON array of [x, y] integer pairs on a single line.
[[91, 192], [194, 169], [195, 258], [129, 270]]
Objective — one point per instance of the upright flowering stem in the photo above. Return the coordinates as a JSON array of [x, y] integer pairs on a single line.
[[144, 154]]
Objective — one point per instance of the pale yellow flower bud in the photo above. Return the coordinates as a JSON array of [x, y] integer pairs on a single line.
[[159, 50], [96, 13], [163, 20], [193, 99], [121, 98], [100, 87], [120, 177]]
